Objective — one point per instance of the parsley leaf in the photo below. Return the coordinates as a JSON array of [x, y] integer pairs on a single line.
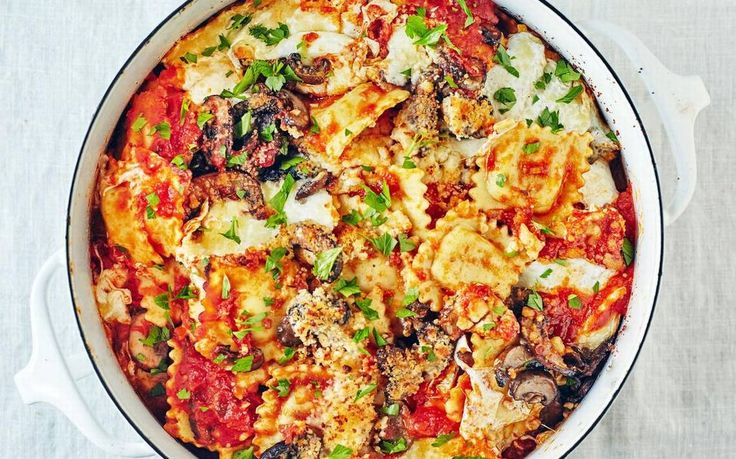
[[391, 410], [163, 129], [289, 353], [627, 250], [324, 262], [347, 287], [244, 454], [550, 119], [379, 202], [184, 394], [451, 81], [530, 148], [380, 340], [565, 72], [596, 287], [314, 128], [571, 94], [417, 29], [406, 244], [179, 162], [411, 296], [546, 273], [283, 386], [504, 60], [500, 180], [365, 391], [202, 118], [353, 218], [243, 365], [153, 200], [506, 96], [291, 162], [232, 232], [535, 301], [273, 261], [408, 163], [340, 452], [403, 313], [189, 58], [469, 20], [183, 110], [244, 125], [442, 439], [138, 123], [365, 307], [574, 301], [270, 36], [384, 243], [395, 446], [612, 135]]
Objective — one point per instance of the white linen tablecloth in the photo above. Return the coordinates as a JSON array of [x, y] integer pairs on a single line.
[[57, 59]]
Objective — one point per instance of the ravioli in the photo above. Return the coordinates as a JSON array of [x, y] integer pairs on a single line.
[[362, 229]]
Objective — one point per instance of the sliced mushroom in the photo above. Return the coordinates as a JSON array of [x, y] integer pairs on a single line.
[[285, 334], [294, 112], [217, 131], [313, 184], [145, 356], [551, 415], [309, 240], [516, 357], [519, 448], [534, 386], [517, 300], [316, 73], [225, 185], [536, 338], [280, 451]]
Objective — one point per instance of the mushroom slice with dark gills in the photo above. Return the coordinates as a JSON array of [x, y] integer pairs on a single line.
[[220, 186], [147, 343], [515, 358], [217, 131], [406, 369], [555, 355], [534, 386], [311, 239], [307, 446], [314, 73]]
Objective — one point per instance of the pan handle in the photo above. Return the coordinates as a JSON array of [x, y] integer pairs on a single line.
[[678, 99], [50, 378]]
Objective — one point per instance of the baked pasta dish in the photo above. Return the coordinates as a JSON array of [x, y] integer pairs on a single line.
[[362, 228]]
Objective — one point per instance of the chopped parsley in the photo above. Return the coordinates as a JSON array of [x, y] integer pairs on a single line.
[[314, 128], [162, 300], [596, 287], [431, 356], [506, 96], [353, 218], [365, 391], [544, 229], [267, 132], [324, 262], [535, 301], [163, 129], [627, 250], [408, 163], [546, 273], [185, 293], [544, 81], [378, 202], [573, 93], [243, 365], [340, 452], [244, 125], [232, 232], [282, 387], [451, 81], [202, 118], [238, 21], [550, 119], [612, 135], [153, 200], [289, 353], [138, 123], [488, 326], [406, 244], [565, 72], [574, 301], [156, 335], [244, 454], [365, 307], [500, 180], [291, 162], [273, 262], [395, 446], [179, 162], [504, 60], [183, 110], [361, 334], [278, 201], [404, 313], [384, 243], [530, 148], [270, 37], [220, 358], [380, 340], [469, 19], [391, 410], [442, 439], [189, 58], [417, 29], [347, 287], [225, 294], [411, 296], [157, 390], [184, 394]]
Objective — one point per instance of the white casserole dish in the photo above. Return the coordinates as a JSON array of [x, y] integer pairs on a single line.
[[50, 375]]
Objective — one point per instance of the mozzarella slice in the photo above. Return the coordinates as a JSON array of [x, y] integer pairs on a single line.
[[317, 208], [599, 188], [404, 57], [576, 273]]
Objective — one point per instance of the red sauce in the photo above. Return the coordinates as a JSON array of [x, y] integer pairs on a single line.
[[442, 197], [625, 205], [161, 102], [216, 415], [428, 418], [475, 55]]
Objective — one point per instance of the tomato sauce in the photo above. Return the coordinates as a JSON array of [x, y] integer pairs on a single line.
[[204, 391], [625, 205], [428, 417], [475, 55]]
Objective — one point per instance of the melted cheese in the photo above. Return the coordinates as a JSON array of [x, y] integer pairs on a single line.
[[576, 273], [404, 57], [317, 208]]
